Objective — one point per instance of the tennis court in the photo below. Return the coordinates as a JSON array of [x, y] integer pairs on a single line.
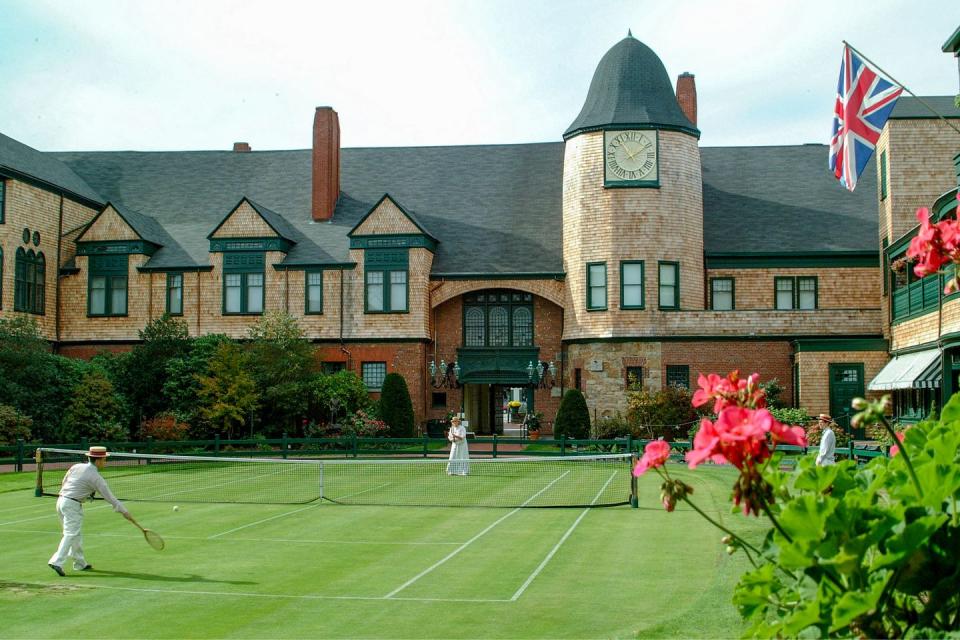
[[332, 570]]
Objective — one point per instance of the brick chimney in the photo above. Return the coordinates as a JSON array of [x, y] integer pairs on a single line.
[[687, 96], [241, 147], [326, 163]]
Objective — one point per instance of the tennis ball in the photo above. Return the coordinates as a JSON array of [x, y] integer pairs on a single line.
[[176, 508]]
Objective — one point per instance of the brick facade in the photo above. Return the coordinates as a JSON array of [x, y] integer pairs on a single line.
[[814, 370]]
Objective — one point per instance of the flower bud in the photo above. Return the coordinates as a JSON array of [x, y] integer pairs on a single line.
[[859, 404], [731, 550], [727, 539]]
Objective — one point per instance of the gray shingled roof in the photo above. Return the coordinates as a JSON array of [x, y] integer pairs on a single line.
[[784, 200], [494, 209], [630, 86], [910, 107], [44, 168]]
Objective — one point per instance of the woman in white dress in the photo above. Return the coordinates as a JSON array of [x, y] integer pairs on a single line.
[[459, 464]]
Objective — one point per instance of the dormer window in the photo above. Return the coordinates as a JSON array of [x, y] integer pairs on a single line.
[[243, 280], [107, 286]]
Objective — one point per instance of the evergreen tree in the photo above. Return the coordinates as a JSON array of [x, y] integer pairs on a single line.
[[396, 409], [573, 417], [164, 339]]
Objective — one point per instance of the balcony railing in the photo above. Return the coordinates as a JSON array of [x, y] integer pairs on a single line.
[[496, 365]]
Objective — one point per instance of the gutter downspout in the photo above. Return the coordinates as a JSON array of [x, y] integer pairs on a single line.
[[57, 310], [343, 349]]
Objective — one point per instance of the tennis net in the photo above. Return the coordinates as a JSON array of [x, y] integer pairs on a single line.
[[568, 481]]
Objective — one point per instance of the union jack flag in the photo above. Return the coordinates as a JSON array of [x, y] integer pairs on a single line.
[[864, 102]]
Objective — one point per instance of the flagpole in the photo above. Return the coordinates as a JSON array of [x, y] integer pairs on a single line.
[[922, 101]]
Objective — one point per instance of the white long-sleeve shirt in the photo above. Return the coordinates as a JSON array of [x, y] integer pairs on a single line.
[[83, 480], [828, 447]]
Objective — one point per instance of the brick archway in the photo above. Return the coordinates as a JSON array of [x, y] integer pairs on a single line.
[[551, 290]]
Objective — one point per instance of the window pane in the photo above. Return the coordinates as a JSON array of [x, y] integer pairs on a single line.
[[499, 327], [98, 295], [522, 327], [118, 295], [375, 291], [722, 294], [175, 294], [232, 283], [632, 275], [784, 294], [597, 283], [473, 327], [373, 374], [678, 375], [398, 291], [254, 292], [315, 292], [668, 285], [807, 293]]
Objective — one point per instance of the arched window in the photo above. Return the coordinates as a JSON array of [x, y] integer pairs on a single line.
[[29, 281], [498, 319]]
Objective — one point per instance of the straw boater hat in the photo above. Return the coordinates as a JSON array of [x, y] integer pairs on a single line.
[[97, 452], [825, 417]]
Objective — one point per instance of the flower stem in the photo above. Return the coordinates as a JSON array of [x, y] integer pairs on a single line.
[[743, 543], [906, 458], [776, 524]]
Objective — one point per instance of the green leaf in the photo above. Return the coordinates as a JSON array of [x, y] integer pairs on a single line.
[[807, 614], [951, 412], [854, 604], [752, 593]]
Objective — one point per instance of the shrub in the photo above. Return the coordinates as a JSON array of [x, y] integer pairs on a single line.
[[335, 395], [96, 410], [363, 425], [396, 407], [660, 414], [573, 417], [611, 427], [787, 415], [815, 432], [13, 425], [165, 426]]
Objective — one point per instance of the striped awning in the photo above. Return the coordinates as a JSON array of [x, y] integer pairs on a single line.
[[917, 370]]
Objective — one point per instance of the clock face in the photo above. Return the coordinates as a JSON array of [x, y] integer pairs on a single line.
[[631, 156]]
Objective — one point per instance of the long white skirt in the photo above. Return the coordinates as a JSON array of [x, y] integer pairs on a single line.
[[459, 459]]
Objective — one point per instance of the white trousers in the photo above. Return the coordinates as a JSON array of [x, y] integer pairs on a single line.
[[71, 545]]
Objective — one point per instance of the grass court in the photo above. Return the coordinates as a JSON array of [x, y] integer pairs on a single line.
[[328, 570]]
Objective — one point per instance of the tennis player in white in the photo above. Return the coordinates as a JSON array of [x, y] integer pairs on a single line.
[[828, 441], [79, 484], [459, 464]]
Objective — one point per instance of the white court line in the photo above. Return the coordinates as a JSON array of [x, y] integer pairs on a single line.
[[563, 539], [252, 524], [52, 514], [471, 540], [245, 594], [137, 536], [350, 495]]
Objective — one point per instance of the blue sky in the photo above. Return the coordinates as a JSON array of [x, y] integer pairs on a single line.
[[119, 74]]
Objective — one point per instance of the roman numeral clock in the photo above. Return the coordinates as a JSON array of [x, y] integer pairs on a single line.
[[630, 158]]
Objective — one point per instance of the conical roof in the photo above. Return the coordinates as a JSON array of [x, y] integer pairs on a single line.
[[630, 87]]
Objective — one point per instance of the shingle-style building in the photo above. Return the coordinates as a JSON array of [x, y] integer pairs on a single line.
[[625, 248]]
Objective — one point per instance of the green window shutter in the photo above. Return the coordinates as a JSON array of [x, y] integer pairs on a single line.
[[596, 286], [631, 284]]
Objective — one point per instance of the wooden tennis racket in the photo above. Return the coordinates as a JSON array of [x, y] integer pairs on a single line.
[[152, 537]]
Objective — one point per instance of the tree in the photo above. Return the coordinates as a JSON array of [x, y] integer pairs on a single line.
[[13, 425], [396, 409], [182, 386], [282, 365], [164, 339], [32, 380], [573, 418], [227, 393], [96, 410], [336, 394]]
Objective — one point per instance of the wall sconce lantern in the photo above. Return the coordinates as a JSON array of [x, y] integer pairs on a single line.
[[444, 376], [544, 377]]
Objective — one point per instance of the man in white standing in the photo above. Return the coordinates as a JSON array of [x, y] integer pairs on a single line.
[[828, 441], [80, 483]]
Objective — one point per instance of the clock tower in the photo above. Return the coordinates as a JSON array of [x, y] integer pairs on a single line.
[[632, 213]]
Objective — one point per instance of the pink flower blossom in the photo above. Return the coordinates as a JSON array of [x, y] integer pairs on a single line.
[[654, 455], [739, 436], [894, 450]]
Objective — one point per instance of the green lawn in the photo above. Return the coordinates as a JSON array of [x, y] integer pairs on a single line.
[[324, 570]]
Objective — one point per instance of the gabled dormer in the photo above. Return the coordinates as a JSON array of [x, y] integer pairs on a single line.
[[389, 226], [117, 230], [251, 227]]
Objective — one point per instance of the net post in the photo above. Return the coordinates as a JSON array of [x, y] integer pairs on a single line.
[[284, 445], [19, 464], [38, 457], [634, 497]]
